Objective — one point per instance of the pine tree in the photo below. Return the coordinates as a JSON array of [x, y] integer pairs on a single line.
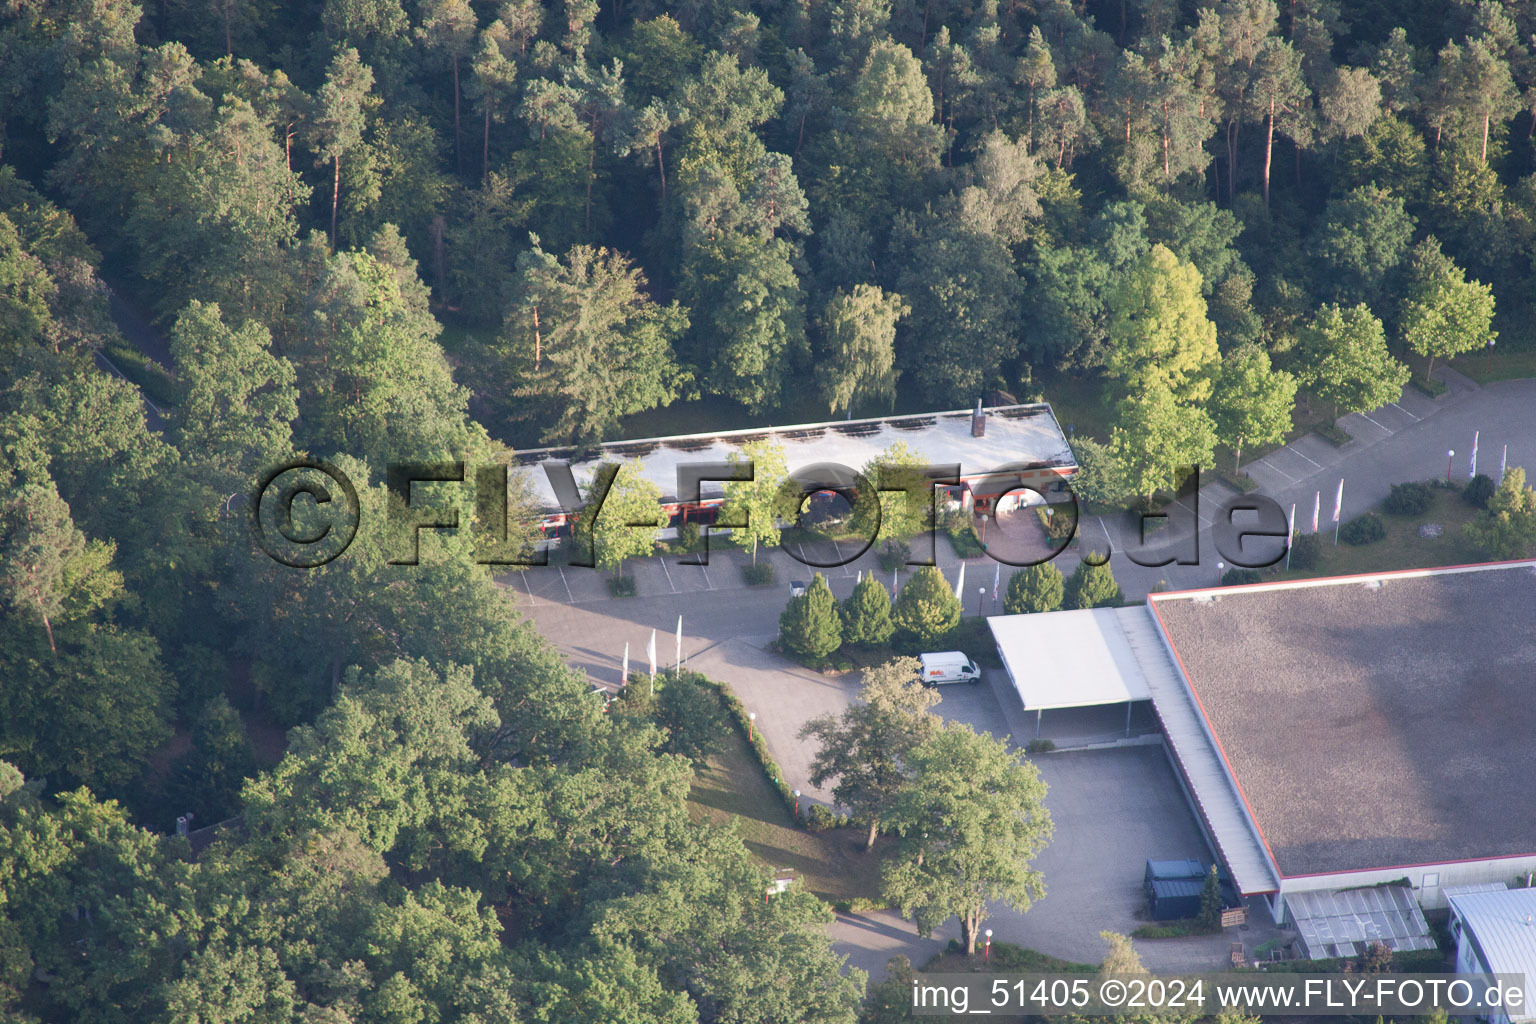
[[1092, 586], [810, 626], [1039, 588], [927, 607], [867, 613]]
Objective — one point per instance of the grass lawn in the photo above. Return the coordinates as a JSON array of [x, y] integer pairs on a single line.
[[1502, 365], [1403, 548], [832, 864]]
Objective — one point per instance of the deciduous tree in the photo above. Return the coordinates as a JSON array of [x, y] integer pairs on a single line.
[[865, 748], [972, 817]]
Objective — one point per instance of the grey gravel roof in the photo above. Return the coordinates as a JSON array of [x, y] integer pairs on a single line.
[[1373, 724]]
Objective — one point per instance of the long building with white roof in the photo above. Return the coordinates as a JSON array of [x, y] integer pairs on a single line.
[[998, 449]]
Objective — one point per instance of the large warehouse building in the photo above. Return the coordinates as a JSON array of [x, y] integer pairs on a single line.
[[1337, 733], [998, 448]]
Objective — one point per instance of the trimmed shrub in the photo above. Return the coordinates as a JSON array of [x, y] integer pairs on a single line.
[[688, 537], [810, 626], [1039, 588], [867, 614], [926, 608], [1092, 586], [819, 819], [1478, 490], [1039, 747], [1306, 551], [1238, 577], [1058, 521], [1409, 499], [1366, 529], [759, 575]]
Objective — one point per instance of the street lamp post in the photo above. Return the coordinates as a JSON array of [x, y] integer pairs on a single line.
[[1490, 355], [1449, 455], [797, 805], [1220, 568], [751, 724], [987, 949], [981, 595]]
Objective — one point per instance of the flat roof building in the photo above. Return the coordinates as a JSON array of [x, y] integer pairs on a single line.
[[1330, 734], [1025, 440], [1372, 727]]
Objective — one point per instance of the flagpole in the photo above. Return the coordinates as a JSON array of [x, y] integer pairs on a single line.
[[1290, 539], [1472, 472]]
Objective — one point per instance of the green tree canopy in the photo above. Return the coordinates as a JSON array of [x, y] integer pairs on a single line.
[[1444, 314], [865, 748], [589, 344], [1158, 331], [926, 608], [972, 817], [809, 625], [1038, 588], [1347, 363], [866, 613]]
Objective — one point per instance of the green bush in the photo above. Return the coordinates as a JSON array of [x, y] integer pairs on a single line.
[[866, 614], [1039, 747], [623, 586], [1366, 529], [153, 379], [1478, 490], [1039, 588], [810, 626], [1058, 521], [926, 608], [1092, 586], [1409, 499], [688, 537], [1238, 577], [819, 819], [1306, 551], [861, 905], [759, 575]]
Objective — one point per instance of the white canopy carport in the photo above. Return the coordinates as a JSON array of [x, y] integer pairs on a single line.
[[1072, 659]]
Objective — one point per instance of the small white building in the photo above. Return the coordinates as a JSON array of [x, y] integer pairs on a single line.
[[1495, 933]]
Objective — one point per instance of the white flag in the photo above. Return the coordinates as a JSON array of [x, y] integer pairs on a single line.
[[1292, 535], [960, 584], [624, 672], [679, 662], [997, 578], [1317, 508], [1472, 472], [1338, 501], [1503, 463], [650, 653]]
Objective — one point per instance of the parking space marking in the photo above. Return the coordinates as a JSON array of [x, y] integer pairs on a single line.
[[1405, 412], [1365, 417], [1277, 469], [663, 561], [1297, 451], [711, 584], [840, 558], [524, 574], [569, 596]]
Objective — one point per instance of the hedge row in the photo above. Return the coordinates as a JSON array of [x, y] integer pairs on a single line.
[[754, 740]]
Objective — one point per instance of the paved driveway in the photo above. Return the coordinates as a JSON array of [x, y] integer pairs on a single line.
[[1113, 807]]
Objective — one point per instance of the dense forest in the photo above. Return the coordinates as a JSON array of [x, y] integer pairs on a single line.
[[390, 230]]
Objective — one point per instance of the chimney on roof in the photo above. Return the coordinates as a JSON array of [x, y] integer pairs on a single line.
[[978, 421]]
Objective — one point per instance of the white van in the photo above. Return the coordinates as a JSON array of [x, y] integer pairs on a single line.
[[948, 667]]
